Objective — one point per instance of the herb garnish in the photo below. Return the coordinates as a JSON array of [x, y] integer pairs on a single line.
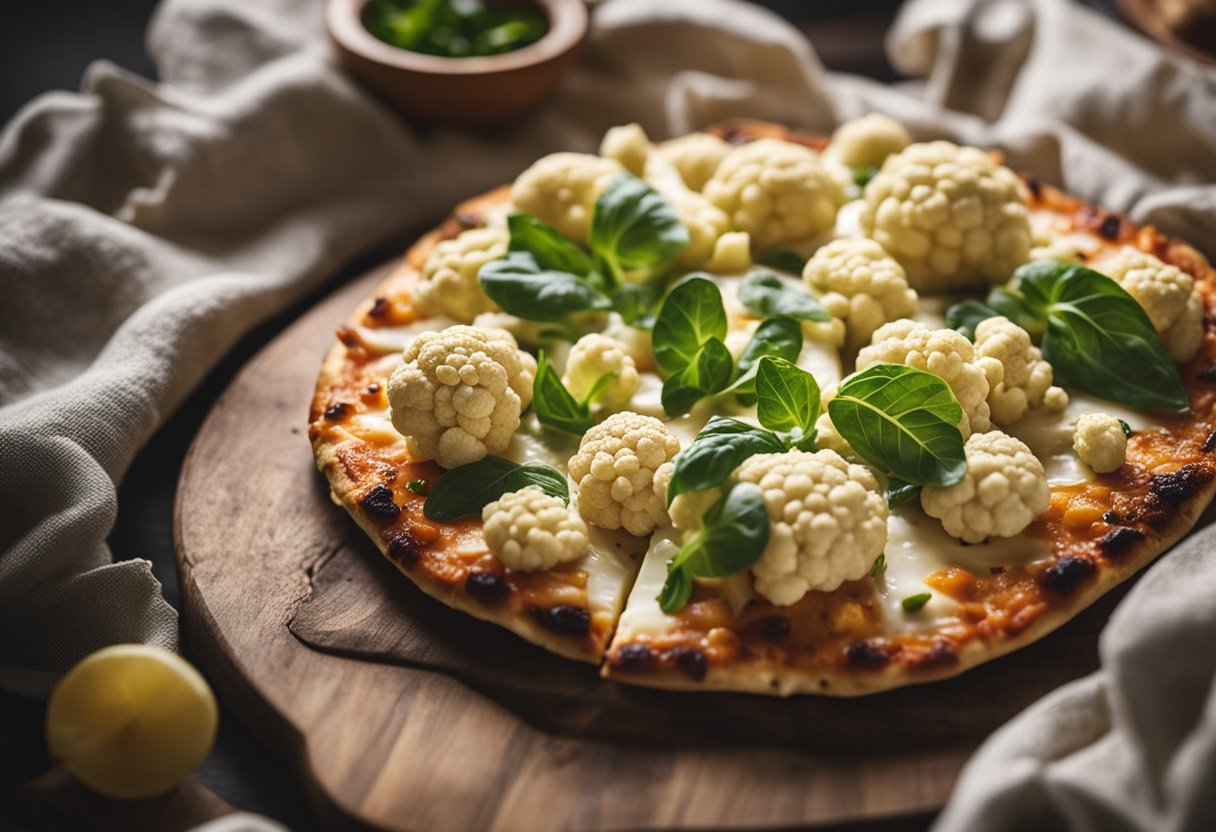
[[418, 486], [452, 28], [465, 491], [880, 565], [915, 603]]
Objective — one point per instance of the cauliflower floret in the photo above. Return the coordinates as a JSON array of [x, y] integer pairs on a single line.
[[594, 356], [951, 216], [449, 276], [687, 509], [706, 223], [868, 140], [1167, 294], [861, 284], [561, 189], [1005, 488], [636, 342], [732, 254], [776, 191], [629, 145], [1018, 377], [532, 531], [1100, 442], [829, 522], [695, 156], [458, 394], [615, 468], [944, 353]]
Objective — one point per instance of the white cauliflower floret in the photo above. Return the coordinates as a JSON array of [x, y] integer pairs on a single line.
[[1100, 442], [1167, 294], [944, 353], [706, 224], [951, 216], [868, 140], [862, 285], [458, 394], [1018, 377], [595, 356], [449, 276], [695, 156], [1004, 489], [732, 254], [687, 509], [776, 191], [561, 189], [615, 468], [530, 531], [629, 145], [829, 522]]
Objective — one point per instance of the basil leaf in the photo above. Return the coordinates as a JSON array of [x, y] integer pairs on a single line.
[[778, 337], [1098, 339], [634, 227], [551, 251], [465, 491], [554, 404], [721, 447], [783, 260], [764, 293], [636, 302], [863, 174], [708, 373], [691, 315], [788, 398], [732, 538], [969, 314], [904, 421], [900, 493], [522, 288]]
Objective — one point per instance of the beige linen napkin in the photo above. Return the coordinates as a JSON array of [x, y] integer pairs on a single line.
[[146, 226]]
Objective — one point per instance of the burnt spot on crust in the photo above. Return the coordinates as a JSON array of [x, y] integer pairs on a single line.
[[1066, 575], [379, 308], [691, 661], [1209, 444], [379, 503], [1110, 227], [347, 336], [866, 655], [940, 653], [1176, 488], [1117, 542], [486, 587], [635, 657], [567, 620], [1032, 183], [1208, 374], [775, 628], [1111, 516], [405, 549], [337, 411]]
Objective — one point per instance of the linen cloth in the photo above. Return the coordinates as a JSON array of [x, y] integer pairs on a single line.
[[146, 226]]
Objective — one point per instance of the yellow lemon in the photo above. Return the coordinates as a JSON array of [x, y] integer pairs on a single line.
[[131, 720]]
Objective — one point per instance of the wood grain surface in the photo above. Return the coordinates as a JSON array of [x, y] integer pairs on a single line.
[[398, 713]]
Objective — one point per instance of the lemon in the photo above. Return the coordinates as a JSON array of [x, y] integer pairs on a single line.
[[131, 721]]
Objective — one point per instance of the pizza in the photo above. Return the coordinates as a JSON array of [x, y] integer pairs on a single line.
[[759, 411]]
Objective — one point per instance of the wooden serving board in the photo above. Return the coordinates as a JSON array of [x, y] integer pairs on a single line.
[[448, 741]]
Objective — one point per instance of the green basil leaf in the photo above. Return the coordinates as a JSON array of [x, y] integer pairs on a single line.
[[969, 314], [465, 491], [721, 447], [903, 421], [634, 227], [709, 373], [1127, 429], [764, 293], [1098, 339], [636, 302], [900, 493], [787, 398], [691, 315], [732, 538], [551, 251], [522, 288], [783, 260], [778, 337], [863, 174], [555, 406]]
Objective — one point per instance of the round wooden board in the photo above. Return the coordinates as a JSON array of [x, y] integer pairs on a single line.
[[398, 747]]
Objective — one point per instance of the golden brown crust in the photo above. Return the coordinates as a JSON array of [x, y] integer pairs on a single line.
[[1102, 532]]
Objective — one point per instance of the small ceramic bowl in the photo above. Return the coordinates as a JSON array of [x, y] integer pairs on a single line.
[[471, 92]]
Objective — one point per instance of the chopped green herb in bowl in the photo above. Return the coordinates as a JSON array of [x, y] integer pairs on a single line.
[[452, 28]]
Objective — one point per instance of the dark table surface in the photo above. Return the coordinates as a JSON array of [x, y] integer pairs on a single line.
[[45, 45]]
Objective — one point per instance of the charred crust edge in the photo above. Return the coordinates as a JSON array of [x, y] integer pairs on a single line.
[[1064, 576], [378, 502]]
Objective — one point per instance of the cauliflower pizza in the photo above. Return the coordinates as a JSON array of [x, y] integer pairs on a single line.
[[756, 411]]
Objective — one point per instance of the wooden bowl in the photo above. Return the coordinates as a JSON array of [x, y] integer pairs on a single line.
[[470, 92]]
